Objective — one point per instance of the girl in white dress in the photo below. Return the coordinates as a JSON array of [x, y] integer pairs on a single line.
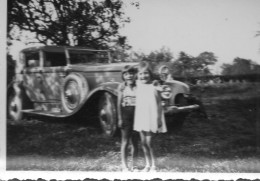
[[149, 117]]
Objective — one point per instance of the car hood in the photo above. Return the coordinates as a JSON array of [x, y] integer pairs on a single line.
[[100, 67]]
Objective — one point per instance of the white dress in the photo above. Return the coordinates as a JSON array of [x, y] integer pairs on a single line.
[[146, 110]]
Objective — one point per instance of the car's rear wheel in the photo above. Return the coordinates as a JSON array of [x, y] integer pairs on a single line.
[[14, 107], [74, 91], [107, 114]]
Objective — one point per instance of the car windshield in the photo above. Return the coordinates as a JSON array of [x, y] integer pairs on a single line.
[[83, 56]]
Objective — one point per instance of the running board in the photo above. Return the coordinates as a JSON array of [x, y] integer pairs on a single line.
[[45, 113], [174, 109]]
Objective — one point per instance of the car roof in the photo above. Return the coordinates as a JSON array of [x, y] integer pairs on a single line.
[[53, 48]]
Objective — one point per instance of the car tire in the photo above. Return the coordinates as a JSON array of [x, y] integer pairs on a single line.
[[107, 114], [17, 101], [14, 107], [73, 92]]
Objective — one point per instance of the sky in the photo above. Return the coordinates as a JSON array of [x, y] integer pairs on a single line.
[[225, 27]]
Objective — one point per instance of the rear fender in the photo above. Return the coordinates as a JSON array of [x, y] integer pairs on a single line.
[[16, 88]]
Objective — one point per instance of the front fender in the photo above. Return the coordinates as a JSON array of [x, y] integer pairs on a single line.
[[110, 87], [178, 88]]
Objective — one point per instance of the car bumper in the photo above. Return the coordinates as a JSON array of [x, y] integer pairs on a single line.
[[174, 109]]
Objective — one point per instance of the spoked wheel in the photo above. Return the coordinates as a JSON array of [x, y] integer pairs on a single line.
[[107, 114], [14, 108]]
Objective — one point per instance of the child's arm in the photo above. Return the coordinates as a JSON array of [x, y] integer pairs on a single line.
[[119, 101], [159, 108]]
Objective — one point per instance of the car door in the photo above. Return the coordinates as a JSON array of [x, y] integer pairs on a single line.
[[32, 76], [54, 72]]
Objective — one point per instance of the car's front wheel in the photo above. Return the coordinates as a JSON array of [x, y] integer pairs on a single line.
[[107, 114]]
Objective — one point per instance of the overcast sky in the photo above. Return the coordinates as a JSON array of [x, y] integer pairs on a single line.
[[225, 27]]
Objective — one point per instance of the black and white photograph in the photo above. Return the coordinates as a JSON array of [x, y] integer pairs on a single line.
[[131, 87]]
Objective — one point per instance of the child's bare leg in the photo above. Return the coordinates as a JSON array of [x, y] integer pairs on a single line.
[[150, 148], [145, 149], [134, 141], [124, 145]]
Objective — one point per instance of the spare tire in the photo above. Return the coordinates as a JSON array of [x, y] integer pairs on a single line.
[[15, 107], [73, 92], [17, 101]]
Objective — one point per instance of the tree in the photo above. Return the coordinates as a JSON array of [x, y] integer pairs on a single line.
[[119, 51], [163, 55], [240, 66], [68, 22], [188, 66], [156, 58], [10, 68], [181, 66]]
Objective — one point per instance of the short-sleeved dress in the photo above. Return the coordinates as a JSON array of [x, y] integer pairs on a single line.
[[146, 110]]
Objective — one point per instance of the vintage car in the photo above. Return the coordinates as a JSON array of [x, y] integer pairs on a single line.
[[63, 82]]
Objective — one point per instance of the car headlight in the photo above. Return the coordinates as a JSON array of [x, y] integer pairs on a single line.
[[166, 92]]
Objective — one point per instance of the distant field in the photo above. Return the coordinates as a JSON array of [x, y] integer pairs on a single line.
[[226, 142]]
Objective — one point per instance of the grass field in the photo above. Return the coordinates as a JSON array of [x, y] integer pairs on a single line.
[[226, 142]]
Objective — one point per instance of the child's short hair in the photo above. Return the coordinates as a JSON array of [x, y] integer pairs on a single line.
[[128, 68], [145, 66]]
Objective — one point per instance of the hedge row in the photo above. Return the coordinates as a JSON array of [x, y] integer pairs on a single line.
[[220, 78]]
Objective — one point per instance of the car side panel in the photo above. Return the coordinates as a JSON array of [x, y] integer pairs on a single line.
[[33, 83], [97, 79], [52, 79]]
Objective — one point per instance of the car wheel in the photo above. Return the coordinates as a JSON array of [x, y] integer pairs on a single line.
[[74, 91], [107, 114], [14, 108]]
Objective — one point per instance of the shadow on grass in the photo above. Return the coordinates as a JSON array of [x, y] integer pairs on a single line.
[[57, 139]]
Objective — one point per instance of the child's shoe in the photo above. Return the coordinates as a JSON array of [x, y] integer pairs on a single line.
[[125, 169], [135, 169], [153, 169]]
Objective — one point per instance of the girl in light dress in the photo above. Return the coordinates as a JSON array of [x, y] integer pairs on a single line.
[[149, 118]]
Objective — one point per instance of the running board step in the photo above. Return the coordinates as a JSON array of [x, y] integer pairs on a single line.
[[45, 113]]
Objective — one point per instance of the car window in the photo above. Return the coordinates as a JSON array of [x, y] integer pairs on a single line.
[[78, 57], [32, 59], [54, 59]]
